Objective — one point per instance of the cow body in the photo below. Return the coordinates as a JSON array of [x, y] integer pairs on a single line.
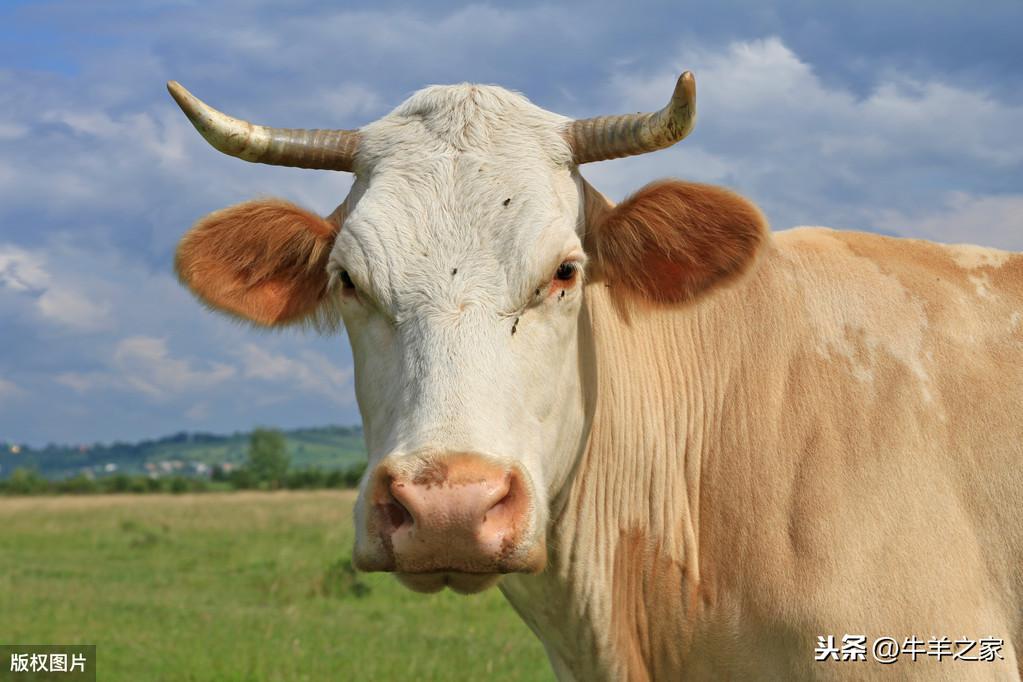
[[832, 445], [684, 448]]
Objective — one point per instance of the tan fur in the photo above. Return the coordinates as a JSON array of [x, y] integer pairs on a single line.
[[673, 240], [646, 620], [832, 445], [263, 261]]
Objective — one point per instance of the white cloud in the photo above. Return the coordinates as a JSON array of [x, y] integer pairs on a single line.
[[405, 37], [21, 270], [993, 220], [83, 122], [312, 373], [198, 412], [814, 151], [348, 99], [762, 94], [10, 130], [10, 391], [146, 364], [143, 364], [57, 300], [84, 381], [73, 309]]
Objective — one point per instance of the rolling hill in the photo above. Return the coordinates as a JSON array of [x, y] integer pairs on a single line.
[[328, 447]]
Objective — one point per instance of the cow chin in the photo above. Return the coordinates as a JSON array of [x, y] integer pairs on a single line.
[[436, 573], [463, 583]]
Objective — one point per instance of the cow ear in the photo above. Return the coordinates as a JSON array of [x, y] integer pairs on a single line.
[[672, 241], [264, 261]]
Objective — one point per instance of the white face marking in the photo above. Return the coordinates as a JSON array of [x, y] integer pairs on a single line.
[[463, 208]]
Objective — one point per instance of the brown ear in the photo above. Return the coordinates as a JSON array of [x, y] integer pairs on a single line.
[[673, 240], [264, 261]]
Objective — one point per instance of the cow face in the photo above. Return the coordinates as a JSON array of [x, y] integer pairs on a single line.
[[457, 263], [459, 270]]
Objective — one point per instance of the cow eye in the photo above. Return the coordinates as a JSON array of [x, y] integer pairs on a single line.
[[566, 272], [346, 280]]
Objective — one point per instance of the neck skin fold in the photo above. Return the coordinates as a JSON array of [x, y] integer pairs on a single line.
[[624, 572]]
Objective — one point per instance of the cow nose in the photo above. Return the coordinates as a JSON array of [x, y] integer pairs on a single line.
[[459, 508], [458, 513]]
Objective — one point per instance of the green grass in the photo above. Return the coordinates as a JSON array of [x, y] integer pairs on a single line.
[[237, 586]]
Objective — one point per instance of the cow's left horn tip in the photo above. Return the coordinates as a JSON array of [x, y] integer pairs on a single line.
[[179, 93], [686, 86]]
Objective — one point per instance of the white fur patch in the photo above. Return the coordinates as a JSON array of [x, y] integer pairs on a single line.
[[864, 315], [982, 285], [971, 257]]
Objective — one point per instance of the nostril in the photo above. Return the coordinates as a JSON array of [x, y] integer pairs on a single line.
[[392, 511], [397, 515], [506, 501]]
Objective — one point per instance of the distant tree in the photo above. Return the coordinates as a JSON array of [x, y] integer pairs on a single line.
[[310, 477], [79, 484], [353, 474], [118, 483], [335, 479], [241, 479], [268, 456], [25, 481]]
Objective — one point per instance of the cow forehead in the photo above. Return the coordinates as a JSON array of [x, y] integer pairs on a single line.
[[468, 178], [485, 119]]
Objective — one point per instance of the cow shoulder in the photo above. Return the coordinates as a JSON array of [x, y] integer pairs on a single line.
[[672, 241], [263, 261]]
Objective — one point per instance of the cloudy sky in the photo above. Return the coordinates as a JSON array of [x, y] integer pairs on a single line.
[[875, 116]]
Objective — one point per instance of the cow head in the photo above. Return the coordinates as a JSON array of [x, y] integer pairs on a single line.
[[457, 264]]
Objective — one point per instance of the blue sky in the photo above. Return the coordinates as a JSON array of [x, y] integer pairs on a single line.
[[902, 119]]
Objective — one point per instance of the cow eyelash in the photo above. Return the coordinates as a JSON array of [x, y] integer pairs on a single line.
[[349, 291], [564, 278], [567, 271]]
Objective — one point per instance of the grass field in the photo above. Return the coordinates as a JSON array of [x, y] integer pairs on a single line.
[[237, 586]]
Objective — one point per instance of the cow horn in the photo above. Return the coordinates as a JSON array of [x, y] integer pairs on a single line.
[[321, 149], [611, 137]]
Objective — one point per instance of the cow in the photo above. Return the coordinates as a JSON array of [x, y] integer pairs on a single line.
[[682, 445]]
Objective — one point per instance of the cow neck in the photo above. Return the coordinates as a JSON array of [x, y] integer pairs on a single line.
[[623, 579]]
